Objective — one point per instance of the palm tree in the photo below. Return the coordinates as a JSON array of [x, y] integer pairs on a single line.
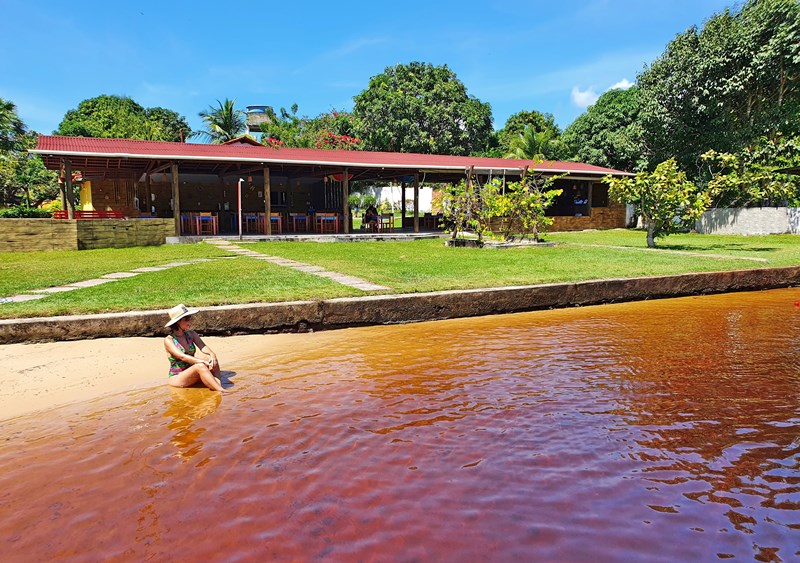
[[535, 145], [223, 123], [11, 126]]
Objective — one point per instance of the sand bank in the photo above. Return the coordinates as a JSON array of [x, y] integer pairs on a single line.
[[42, 376]]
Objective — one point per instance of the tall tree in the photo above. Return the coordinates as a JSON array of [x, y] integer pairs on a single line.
[[11, 126], [609, 133], [725, 86], [535, 145], [23, 177], [517, 123], [418, 107], [121, 117], [222, 123]]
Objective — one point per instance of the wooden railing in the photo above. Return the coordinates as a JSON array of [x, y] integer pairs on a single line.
[[62, 214]]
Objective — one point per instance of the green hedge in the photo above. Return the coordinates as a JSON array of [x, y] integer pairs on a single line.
[[22, 212]]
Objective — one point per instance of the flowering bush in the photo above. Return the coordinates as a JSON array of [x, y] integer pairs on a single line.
[[330, 140]]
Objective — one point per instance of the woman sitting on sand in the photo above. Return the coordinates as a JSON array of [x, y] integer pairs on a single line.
[[184, 369]]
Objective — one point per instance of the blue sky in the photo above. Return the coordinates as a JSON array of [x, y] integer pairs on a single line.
[[551, 56]]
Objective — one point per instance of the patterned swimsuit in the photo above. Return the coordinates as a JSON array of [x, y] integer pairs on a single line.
[[175, 365]]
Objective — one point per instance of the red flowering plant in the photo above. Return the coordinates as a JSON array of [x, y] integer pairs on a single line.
[[273, 142], [331, 141]]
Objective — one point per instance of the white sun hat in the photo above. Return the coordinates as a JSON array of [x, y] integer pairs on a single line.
[[178, 312]]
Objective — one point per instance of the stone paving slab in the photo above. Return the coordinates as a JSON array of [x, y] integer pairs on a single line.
[[56, 289], [120, 275], [150, 269], [21, 298], [89, 283]]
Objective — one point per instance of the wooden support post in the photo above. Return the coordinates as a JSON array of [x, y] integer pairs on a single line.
[[345, 201], [402, 204], [176, 198], [267, 202], [148, 195], [416, 202], [70, 192]]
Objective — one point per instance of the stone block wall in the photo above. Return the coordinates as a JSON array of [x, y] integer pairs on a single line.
[[122, 234], [28, 235]]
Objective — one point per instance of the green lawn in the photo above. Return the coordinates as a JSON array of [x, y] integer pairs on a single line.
[[408, 266]]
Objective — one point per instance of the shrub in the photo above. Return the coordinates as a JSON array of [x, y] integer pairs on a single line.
[[22, 212]]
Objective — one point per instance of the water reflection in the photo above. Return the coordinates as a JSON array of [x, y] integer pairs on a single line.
[[187, 406]]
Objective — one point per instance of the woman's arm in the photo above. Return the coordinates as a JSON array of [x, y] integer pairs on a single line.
[[176, 352], [203, 347]]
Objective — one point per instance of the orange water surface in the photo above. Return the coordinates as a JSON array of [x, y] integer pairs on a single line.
[[656, 431]]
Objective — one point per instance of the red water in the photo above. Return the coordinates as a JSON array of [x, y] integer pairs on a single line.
[[657, 431]]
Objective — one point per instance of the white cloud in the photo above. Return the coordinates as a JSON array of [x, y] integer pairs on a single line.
[[583, 98], [623, 84]]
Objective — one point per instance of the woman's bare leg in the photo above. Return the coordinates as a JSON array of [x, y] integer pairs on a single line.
[[193, 374], [208, 378]]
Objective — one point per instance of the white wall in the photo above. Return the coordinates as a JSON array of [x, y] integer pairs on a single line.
[[750, 221], [392, 195]]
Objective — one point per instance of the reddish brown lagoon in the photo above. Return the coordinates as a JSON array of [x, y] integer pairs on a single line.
[[664, 430]]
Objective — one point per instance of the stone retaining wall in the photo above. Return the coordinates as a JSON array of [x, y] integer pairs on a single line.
[[26, 235], [392, 309]]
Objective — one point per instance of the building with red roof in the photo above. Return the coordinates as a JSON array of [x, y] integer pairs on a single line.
[[174, 180]]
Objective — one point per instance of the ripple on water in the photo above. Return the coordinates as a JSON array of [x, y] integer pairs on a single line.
[[660, 430]]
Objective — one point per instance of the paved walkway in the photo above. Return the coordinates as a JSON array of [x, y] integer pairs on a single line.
[[343, 279], [39, 293], [350, 281]]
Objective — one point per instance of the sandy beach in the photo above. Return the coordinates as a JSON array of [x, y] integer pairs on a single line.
[[45, 375]]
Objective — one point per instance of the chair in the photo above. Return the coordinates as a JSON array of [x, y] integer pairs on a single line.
[[276, 219], [206, 221], [298, 222], [387, 223], [327, 222], [187, 224]]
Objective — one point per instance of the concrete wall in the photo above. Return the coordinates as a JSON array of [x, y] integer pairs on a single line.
[[750, 221], [28, 235]]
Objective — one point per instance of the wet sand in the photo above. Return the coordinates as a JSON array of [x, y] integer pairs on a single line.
[[41, 376]]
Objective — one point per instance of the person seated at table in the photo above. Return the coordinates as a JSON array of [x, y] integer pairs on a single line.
[[371, 218]]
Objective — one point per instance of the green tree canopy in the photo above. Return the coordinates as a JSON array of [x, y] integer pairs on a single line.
[[724, 86], [11, 126], [222, 123], [609, 133], [536, 145], [23, 177], [121, 117], [665, 199], [518, 122], [418, 107], [330, 130]]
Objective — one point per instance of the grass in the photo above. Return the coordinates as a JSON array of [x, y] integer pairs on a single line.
[[408, 266]]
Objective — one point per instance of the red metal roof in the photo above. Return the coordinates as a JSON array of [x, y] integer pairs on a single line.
[[237, 152]]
